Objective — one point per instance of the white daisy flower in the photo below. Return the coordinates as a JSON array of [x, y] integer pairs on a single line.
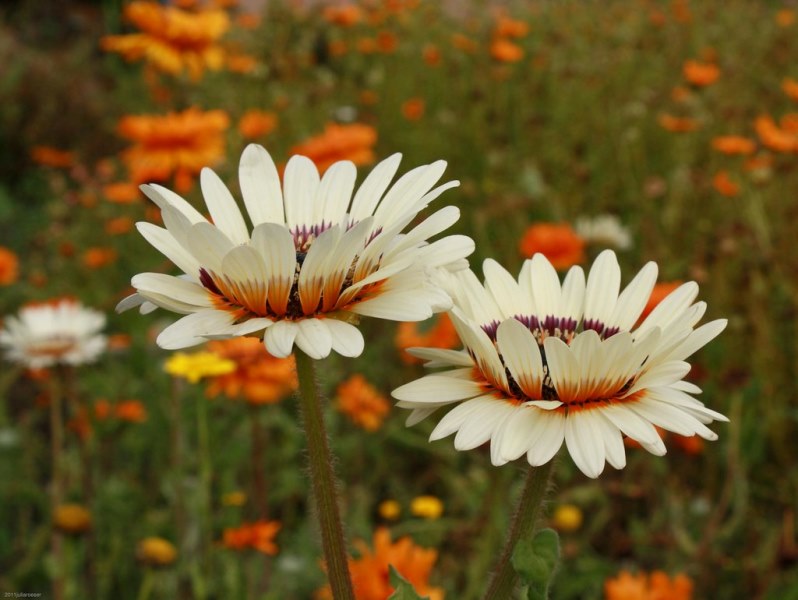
[[59, 332], [315, 260], [546, 362], [605, 231]]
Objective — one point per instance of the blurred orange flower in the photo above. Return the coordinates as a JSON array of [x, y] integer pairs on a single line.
[[337, 47], [370, 572], [248, 21], [387, 42], [9, 266], [177, 143], [366, 45], [255, 536], [122, 193], [656, 586], [259, 377], [658, 294], [257, 123], [700, 74], [512, 28], [98, 257], [413, 109], [677, 124], [556, 241], [441, 335], [353, 142], [118, 225], [734, 144], [785, 17], [132, 411], [504, 50], [52, 157], [790, 87], [362, 403], [241, 63], [724, 185], [774, 137], [344, 15], [464, 43], [431, 55], [172, 40]]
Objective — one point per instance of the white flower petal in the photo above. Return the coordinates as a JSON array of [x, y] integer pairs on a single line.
[[437, 388], [222, 206], [189, 330], [314, 338], [300, 186], [260, 186], [346, 339], [279, 338]]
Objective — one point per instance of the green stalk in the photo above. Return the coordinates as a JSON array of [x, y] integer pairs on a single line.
[[204, 441], [323, 479], [504, 577], [56, 484]]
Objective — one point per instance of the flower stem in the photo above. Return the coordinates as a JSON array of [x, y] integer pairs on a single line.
[[323, 479], [526, 513], [56, 489], [206, 476]]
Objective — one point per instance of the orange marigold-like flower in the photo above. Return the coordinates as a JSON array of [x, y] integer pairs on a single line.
[[97, 257], [370, 572], [413, 109], [558, 242], [122, 193], [789, 123], [774, 137], [734, 144], [72, 518], [257, 536], [118, 225], [510, 28], [177, 143], [790, 87], [344, 15], [248, 20], [259, 378], [441, 335], [656, 586], [257, 123], [172, 40], [785, 17], [724, 185], [677, 124], [464, 43], [241, 63], [132, 411], [503, 50], [431, 55], [52, 157], [700, 74], [387, 42], [353, 142], [9, 266], [362, 403]]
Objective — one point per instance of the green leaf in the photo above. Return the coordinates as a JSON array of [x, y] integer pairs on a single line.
[[402, 588], [536, 560]]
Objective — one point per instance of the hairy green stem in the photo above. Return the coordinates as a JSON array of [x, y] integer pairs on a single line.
[[526, 514], [56, 483], [323, 480]]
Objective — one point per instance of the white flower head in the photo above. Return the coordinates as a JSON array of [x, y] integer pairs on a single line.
[[315, 258], [58, 332], [605, 231], [546, 362]]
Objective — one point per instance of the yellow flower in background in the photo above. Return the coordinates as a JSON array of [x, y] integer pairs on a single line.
[[172, 40], [389, 510], [567, 518], [72, 518], [195, 365], [426, 507], [156, 552], [235, 498]]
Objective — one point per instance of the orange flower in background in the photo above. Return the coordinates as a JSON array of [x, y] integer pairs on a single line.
[[464, 43], [9, 266], [658, 294], [413, 109], [248, 21], [774, 137], [353, 142], [677, 124], [132, 411], [431, 55], [785, 17], [790, 87], [172, 40], [337, 47], [122, 193], [177, 143], [510, 28], [556, 241], [680, 94], [724, 185], [789, 123], [362, 403], [118, 225], [259, 377], [257, 536], [387, 42], [700, 74], [441, 335], [370, 572], [504, 50], [344, 15], [656, 586], [257, 123], [241, 63], [48, 156], [366, 45], [734, 144], [98, 257]]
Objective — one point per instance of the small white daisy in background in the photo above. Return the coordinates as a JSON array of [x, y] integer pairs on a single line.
[[546, 362], [58, 332], [316, 259], [605, 231]]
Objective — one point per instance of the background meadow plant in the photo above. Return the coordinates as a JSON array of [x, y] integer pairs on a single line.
[[548, 114]]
